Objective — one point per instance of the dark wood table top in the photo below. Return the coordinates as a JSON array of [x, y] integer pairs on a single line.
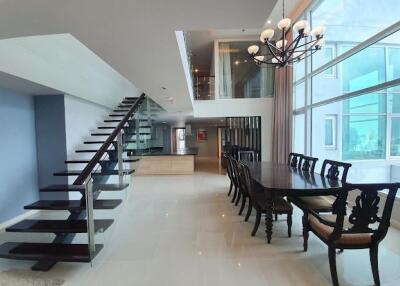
[[282, 179]]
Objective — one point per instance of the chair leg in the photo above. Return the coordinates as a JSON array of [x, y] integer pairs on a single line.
[[373, 256], [257, 223], [239, 195], [235, 192], [289, 224], [276, 217], [243, 205], [305, 232], [249, 209], [332, 265], [230, 189]]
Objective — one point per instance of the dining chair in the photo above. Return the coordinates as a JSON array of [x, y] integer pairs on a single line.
[[235, 175], [229, 171], [332, 170], [365, 227], [294, 159], [307, 163], [257, 201], [249, 156]]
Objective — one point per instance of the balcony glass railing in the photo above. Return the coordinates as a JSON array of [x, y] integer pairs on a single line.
[[204, 87]]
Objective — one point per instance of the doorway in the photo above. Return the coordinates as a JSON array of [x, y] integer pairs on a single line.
[[179, 139]]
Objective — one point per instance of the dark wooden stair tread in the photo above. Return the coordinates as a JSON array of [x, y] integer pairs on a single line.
[[59, 226], [102, 142], [127, 134], [111, 187], [126, 160], [80, 188], [63, 188], [72, 205], [97, 173], [48, 251]]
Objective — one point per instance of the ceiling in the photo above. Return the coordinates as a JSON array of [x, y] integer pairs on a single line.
[[135, 37]]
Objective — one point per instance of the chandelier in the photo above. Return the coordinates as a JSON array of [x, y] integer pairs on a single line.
[[281, 53]]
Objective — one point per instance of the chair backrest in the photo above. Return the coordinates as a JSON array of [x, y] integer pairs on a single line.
[[307, 163], [249, 155], [228, 165], [364, 216], [246, 181], [235, 172], [294, 159], [333, 172]]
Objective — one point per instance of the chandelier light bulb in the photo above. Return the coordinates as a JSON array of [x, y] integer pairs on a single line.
[[300, 26], [253, 49], [306, 31], [319, 43], [283, 52], [274, 61], [267, 35], [280, 43], [318, 31], [284, 23]]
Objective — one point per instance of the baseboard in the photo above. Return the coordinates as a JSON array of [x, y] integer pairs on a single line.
[[16, 219]]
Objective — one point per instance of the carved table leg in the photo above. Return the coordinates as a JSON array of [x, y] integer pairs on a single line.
[[269, 218]]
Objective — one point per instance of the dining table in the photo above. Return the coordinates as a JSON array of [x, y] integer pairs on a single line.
[[280, 180]]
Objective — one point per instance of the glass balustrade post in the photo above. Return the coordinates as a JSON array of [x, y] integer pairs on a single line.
[[89, 216]]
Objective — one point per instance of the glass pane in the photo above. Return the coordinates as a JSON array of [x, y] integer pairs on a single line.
[[368, 103], [394, 100], [299, 95], [393, 65], [298, 133], [364, 137], [327, 54], [345, 23], [319, 128], [298, 70], [395, 137], [240, 77], [364, 69], [353, 74]]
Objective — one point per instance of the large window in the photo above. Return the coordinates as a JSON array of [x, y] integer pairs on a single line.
[[350, 90]]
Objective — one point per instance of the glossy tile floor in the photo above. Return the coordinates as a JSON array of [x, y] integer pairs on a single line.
[[182, 230]]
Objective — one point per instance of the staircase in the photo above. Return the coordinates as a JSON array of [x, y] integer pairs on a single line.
[[107, 161]]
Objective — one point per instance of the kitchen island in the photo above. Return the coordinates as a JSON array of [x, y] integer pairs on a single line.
[[167, 163]]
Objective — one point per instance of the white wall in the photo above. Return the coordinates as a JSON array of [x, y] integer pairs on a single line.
[[263, 107], [82, 117], [208, 148]]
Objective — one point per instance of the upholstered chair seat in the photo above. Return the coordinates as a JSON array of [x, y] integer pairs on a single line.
[[325, 231], [316, 203]]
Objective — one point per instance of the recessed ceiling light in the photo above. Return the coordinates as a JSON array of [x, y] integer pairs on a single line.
[[196, 70], [237, 62], [269, 22]]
